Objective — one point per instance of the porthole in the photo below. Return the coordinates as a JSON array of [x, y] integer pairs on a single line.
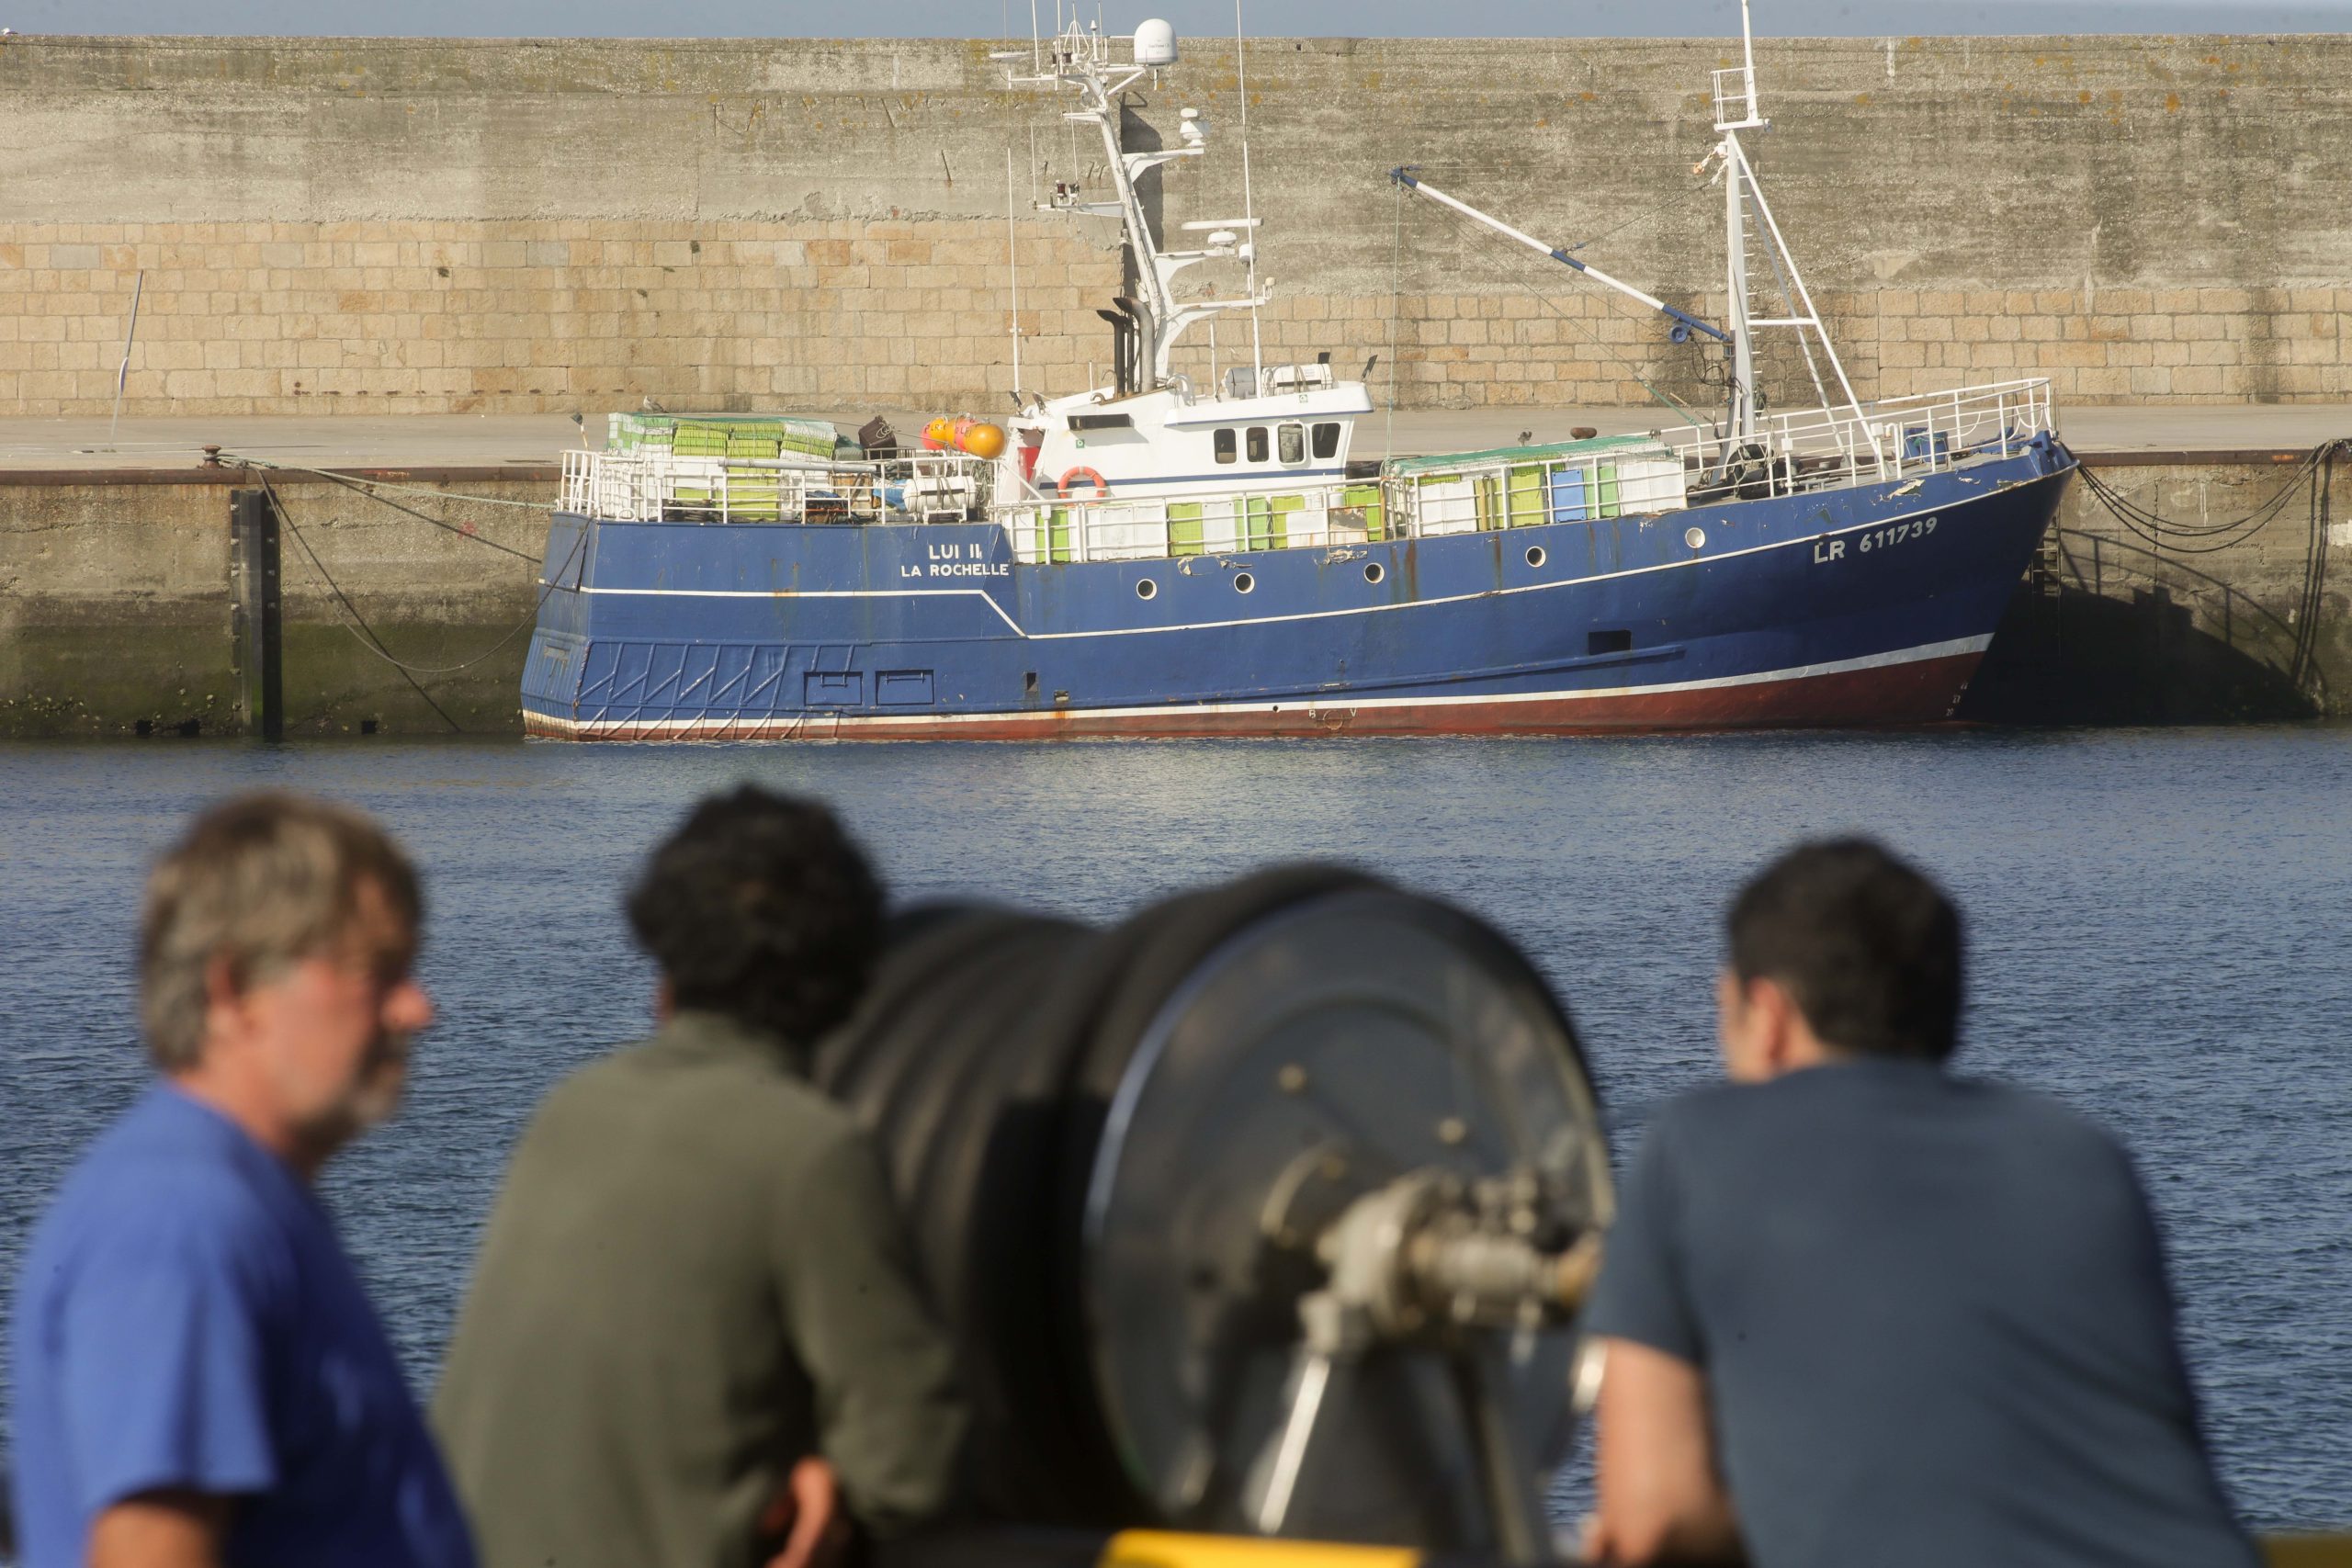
[[1243, 583], [1695, 538], [1535, 554], [1374, 572], [1147, 588]]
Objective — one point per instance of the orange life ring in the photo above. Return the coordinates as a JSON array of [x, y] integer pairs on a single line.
[[1102, 486]]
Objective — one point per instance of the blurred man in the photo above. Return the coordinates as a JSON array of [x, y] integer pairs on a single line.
[[200, 1377], [1859, 1314], [692, 1336]]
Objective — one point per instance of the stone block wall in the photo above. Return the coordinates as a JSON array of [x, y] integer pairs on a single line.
[[454, 316], [437, 226]]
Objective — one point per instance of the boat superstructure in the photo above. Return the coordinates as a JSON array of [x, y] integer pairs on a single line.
[[1154, 556], [1252, 426]]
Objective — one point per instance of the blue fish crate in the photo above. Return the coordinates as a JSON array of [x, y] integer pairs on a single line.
[[1919, 441]]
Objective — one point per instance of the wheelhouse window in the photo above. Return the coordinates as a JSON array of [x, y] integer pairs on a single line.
[[1327, 440], [1257, 442], [1226, 452], [1292, 442]]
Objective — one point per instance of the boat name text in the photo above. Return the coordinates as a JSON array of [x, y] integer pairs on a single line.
[[957, 560]]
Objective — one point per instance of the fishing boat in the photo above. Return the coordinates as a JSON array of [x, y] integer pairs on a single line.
[[1157, 557]]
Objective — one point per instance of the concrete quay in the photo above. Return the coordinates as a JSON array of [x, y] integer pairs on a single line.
[[409, 584], [410, 441]]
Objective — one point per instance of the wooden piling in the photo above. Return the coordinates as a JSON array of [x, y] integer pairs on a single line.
[[260, 629]]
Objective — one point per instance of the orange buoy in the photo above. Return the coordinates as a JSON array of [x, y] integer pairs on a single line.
[[1102, 486], [964, 434]]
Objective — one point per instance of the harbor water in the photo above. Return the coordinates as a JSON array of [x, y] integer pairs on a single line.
[[2158, 920]]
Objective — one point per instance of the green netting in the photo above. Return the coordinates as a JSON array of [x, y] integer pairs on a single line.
[[730, 436], [1186, 537], [1452, 463]]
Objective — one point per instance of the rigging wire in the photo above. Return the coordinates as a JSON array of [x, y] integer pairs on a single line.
[[1396, 292], [1685, 194], [1495, 269]]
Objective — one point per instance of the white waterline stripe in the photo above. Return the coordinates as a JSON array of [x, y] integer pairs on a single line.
[[1946, 649], [1304, 615]]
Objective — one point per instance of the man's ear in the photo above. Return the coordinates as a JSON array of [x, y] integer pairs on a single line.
[[227, 994], [1776, 1015]]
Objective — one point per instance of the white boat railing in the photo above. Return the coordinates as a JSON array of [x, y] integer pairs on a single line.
[[654, 486], [1427, 499], [1894, 439]]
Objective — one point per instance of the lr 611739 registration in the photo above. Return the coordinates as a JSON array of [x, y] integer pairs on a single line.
[[1874, 539], [1895, 534]]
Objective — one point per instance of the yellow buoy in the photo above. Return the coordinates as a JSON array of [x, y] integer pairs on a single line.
[[964, 434]]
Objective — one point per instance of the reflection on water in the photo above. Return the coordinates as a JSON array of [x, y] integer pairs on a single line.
[[2158, 922]]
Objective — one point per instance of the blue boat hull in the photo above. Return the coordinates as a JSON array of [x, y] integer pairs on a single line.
[[1868, 605]]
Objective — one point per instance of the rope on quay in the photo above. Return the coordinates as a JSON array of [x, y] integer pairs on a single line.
[[369, 488], [367, 635], [2317, 471], [2186, 538]]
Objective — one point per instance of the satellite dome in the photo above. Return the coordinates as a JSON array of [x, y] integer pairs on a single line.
[[1155, 43]]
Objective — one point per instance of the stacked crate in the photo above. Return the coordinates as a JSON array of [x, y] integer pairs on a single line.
[[737, 450]]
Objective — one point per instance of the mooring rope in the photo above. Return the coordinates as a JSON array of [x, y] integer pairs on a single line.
[[2317, 470], [366, 635], [2210, 538], [368, 488]]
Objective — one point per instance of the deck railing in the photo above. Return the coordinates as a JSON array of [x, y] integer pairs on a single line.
[[1894, 439], [669, 487], [1510, 490]]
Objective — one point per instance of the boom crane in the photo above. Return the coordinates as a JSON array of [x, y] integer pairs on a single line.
[[1684, 322]]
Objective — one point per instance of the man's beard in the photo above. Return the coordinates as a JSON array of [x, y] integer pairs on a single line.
[[367, 1103]]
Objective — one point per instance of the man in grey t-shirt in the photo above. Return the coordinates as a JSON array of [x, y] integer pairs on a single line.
[[1859, 1314]]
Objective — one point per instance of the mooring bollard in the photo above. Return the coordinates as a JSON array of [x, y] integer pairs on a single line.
[[254, 571]]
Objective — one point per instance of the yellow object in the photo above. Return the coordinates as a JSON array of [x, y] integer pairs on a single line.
[[2307, 1551], [964, 434], [1167, 1548]]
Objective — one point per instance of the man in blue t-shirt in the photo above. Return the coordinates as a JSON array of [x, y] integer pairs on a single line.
[[200, 1378], [1859, 1314]]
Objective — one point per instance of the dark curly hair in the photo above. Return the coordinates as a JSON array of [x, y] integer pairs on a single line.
[[760, 907], [1871, 949]]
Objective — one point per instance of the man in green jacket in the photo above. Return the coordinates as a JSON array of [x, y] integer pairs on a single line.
[[694, 1335]]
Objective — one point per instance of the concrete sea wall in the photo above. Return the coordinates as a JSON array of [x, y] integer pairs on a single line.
[[117, 604], [389, 225]]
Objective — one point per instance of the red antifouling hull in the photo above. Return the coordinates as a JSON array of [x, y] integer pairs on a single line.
[[1922, 691]]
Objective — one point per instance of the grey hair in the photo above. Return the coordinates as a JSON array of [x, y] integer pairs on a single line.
[[261, 881]]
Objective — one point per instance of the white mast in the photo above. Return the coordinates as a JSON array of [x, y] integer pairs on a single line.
[[1735, 111], [1082, 60], [1249, 207]]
